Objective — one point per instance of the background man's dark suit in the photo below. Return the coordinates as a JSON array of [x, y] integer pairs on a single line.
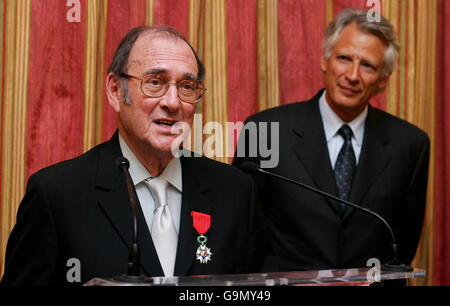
[[80, 209], [307, 229]]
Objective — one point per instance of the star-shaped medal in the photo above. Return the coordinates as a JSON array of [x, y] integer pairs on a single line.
[[203, 253]]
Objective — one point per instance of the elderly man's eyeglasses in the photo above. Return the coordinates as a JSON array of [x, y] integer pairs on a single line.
[[156, 85]]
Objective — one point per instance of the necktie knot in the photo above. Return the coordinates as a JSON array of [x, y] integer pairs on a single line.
[[158, 187], [346, 132]]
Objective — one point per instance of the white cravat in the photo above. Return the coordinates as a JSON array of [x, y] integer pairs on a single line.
[[164, 234]]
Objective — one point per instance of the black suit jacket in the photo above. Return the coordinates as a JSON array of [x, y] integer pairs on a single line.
[[80, 209], [391, 178]]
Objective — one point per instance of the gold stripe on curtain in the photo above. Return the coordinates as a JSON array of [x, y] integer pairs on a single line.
[[329, 11], [411, 95], [3, 230], [195, 38], [410, 51], [424, 114], [404, 68], [196, 14], [2, 18], [150, 4], [16, 44], [390, 10], [268, 79], [215, 103], [96, 12]]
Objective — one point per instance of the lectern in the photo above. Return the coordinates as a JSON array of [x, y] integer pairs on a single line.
[[341, 277]]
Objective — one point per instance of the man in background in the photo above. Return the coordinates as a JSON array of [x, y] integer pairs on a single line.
[[340, 144]]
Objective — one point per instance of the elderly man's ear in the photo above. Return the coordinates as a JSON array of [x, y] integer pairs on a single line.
[[114, 91]]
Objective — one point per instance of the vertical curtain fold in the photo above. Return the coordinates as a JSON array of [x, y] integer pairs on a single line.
[[267, 56], [150, 5], [196, 39], [390, 9], [215, 57], [300, 33], [2, 83], [422, 114], [118, 23], [94, 73], [14, 111], [242, 65], [441, 226], [174, 13], [411, 92], [55, 87]]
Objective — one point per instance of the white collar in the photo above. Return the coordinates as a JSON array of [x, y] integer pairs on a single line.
[[332, 122], [138, 172]]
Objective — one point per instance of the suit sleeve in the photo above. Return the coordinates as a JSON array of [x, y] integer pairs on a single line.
[[31, 252], [414, 205]]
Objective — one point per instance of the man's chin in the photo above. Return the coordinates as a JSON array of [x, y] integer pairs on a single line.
[[167, 146], [349, 101]]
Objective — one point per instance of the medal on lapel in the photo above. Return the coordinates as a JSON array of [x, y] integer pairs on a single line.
[[201, 223]]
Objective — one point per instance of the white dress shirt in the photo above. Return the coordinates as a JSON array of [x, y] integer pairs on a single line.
[[332, 123], [172, 173]]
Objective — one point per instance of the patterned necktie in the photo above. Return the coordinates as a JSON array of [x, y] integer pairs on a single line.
[[345, 165], [164, 235]]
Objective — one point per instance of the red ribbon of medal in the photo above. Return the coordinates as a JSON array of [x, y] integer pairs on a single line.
[[202, 223]]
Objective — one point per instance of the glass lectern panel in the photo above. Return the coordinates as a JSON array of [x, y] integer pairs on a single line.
[[341, 277]]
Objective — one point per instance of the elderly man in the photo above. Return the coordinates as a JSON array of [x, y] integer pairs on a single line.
[[195, 215], [340, 144]]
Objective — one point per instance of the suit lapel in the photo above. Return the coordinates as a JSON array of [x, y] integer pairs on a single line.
[[195, 190], [373, 159], [311, 147], [114, 202], [312, 150]]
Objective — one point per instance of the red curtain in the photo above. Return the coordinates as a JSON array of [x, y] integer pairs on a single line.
[[442, 196], [242, 62], [174, 13], [300, 31], [118, 24], [55, 85]]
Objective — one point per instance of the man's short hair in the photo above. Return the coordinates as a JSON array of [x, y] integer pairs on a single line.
[[382, 29], [120, 60]]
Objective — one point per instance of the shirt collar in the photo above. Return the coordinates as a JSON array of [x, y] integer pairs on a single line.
[[138, 172], [332, 122]]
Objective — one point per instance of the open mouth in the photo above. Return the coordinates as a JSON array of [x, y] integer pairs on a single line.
[[165, 123]]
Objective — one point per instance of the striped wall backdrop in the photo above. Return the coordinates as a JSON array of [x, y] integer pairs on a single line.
[[258, 54]]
